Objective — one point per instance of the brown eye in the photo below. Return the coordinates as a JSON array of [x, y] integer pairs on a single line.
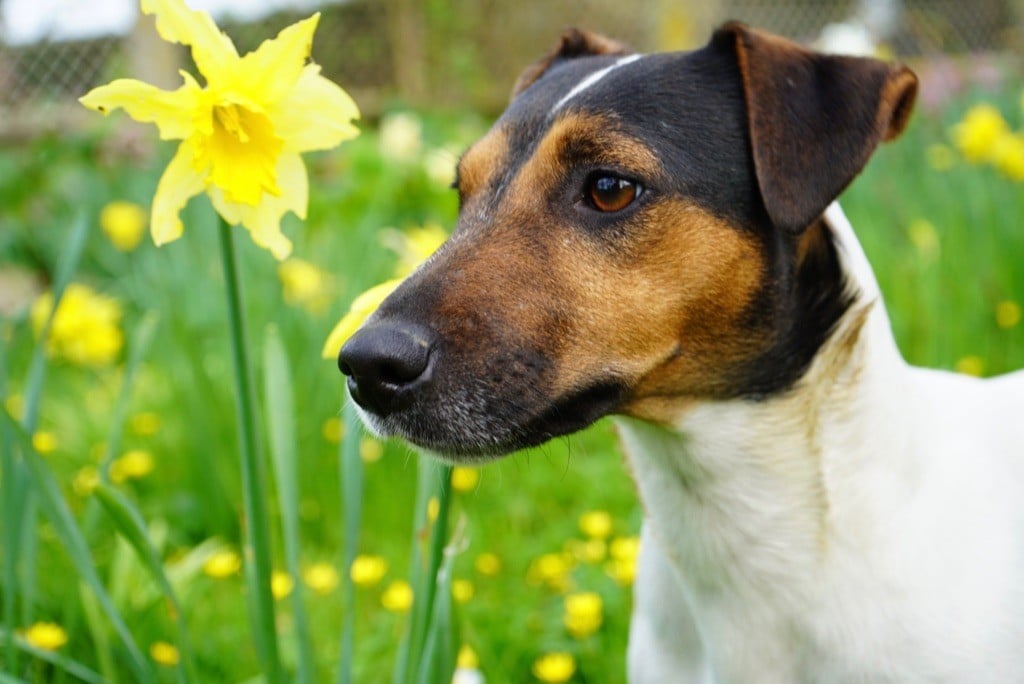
[[611, 193]]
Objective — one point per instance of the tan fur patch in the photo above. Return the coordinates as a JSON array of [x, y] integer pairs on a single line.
[[481, 161]]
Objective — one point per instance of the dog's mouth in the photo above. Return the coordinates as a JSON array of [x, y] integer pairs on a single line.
[[457, 413]]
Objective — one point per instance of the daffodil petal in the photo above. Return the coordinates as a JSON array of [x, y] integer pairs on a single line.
[[264, 220], [172, 111], [316, 115], [272, 70], [212, 50], [179, 183], [362, 307]]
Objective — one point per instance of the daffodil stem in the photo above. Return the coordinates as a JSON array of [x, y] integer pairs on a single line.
[[352, 498], [257, 522]]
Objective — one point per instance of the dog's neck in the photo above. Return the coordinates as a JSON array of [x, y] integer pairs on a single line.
[[743, 492]]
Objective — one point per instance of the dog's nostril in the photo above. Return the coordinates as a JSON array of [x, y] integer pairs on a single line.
[[383, 362]]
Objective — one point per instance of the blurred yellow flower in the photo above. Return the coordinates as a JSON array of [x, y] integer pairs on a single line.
[[487, 564], [433, 508], [401, 136], [124, 223], [370, 450], [47, 636], [322, 578], [305, 285], [940, 157], [979, 131], [550, 569], [86, 328], [44, 442], [333, 430], [1008, 155], [462, 590], [622, 565], [367, 571], [15, 406], [397, 597], [464, 479], [281, 584], [467, 658], [164, 653], [554, 668], [971, 365], [439, 165], [134, 465], [361, 308], [222, 564], [1008, 314], [243, 131], [86, 480], [596, 524], [583, 614], [145, 424], [587, 550], [924, 237], [413, 247]]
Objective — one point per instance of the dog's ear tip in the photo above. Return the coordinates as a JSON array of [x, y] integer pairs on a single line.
[[572, 43], [900, 93]]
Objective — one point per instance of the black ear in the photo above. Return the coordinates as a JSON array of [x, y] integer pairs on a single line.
[[573, 43], [814, 119]]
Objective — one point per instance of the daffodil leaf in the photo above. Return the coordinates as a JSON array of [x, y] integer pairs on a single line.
[[352, 510], [279, 397], [60, 516]]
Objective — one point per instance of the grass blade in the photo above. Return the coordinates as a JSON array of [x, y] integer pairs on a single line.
[[10, 476], [71, 538], [254, 499], [132, 527], [72, 667], [279, 398], [352, 508]]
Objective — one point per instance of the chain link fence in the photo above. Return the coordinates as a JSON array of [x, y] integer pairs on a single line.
[[467, 53]]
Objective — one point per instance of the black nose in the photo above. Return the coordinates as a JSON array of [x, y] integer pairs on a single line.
[[385, 363]]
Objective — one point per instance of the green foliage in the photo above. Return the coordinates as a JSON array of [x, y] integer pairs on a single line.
[[942, 284]]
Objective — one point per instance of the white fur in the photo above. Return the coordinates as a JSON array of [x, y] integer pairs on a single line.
[[593, 78], [867, 526]]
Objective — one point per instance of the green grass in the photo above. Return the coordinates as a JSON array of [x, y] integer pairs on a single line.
[[942, 306]]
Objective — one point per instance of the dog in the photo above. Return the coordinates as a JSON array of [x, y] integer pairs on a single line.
[[657, 238]]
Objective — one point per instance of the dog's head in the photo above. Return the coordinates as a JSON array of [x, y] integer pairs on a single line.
[[636, 233]]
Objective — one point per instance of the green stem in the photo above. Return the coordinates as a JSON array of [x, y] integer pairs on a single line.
[[352, 498], [257, 522]]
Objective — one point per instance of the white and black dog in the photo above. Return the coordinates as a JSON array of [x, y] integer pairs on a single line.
[[655, 237]]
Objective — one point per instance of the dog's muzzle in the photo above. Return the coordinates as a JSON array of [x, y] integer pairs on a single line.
[[386, 363]]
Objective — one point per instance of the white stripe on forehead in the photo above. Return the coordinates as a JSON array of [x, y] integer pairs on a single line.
[[592, 79]]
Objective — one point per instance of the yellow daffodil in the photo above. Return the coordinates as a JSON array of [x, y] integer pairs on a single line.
[[401, 136], [370, 450], [413, 248], [86, 480], [123, 223], [242, 131], [333, 430], [305, 285], [145, 424], [322, 578], [583, 614], [281, 584], [47, 636], [587, 550], [368, 570], [397, 597], [1008, 314], [44, 442], [977, 134], [624, 552], [487, 564], [467, 658], [971, 365], [222, 564], [134, 465], [554, 668], [465, 479], [164, 653], [86, 328], [596, 524], [1008, 155], [433, 509]]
